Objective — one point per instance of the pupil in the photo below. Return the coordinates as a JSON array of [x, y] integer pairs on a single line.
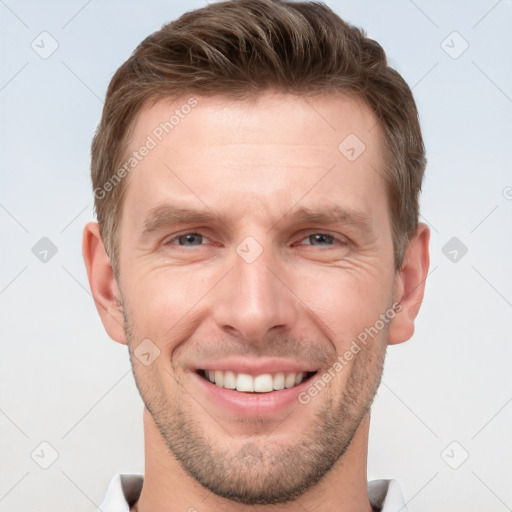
[[321, 238], [190, 238]]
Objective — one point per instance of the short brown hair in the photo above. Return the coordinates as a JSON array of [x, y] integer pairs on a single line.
[[243, 47]]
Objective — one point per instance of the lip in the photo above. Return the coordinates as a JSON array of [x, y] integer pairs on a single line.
[[257, 366], [250, 404]]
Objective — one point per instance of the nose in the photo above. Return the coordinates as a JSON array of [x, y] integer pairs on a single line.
[[255, 298]]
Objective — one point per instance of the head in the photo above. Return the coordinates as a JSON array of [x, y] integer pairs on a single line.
[[256, 174]]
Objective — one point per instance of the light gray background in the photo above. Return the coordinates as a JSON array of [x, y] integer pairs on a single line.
[[64, 382]]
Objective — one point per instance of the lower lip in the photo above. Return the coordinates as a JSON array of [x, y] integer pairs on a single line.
[[252, 404]]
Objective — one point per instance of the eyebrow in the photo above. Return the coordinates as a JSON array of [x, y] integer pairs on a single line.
[[330, 215], [165, 215]]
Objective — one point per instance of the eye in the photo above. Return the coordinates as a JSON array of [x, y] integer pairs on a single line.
[[323, 240], [193, 239], [187, 240]]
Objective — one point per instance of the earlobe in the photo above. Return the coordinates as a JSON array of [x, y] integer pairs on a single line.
[[410, 286], [102, 282]]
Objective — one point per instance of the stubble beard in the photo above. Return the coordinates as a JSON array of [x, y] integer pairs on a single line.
[[263, 470]]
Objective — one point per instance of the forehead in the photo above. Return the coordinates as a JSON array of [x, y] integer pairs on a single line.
[[263, 152], [322, 121]]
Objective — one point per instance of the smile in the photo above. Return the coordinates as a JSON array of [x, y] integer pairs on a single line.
[[263, 383]]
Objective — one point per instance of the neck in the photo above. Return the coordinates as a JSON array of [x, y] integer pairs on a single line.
[[168, 487]]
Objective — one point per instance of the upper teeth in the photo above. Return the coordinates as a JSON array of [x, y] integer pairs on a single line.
[[258, 384]]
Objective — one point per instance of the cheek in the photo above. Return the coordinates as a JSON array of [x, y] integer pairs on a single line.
[[166, 304], [345, 302], [163, 302]]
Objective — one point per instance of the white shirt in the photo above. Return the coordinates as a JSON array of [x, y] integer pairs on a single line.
[[124, 490]]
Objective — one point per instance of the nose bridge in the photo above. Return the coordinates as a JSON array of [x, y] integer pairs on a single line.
[[253, 300]]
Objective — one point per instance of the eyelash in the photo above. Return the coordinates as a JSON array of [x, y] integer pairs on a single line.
[[340, 240]]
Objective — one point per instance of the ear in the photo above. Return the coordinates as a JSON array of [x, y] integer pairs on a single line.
[[103, 283], [410, 286]]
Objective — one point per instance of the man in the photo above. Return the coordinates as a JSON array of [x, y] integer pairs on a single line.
[[256, 175]]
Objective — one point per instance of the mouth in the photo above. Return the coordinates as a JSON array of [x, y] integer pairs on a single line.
[[262, 383]]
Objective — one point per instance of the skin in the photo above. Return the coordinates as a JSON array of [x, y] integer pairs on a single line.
[[305, 298]]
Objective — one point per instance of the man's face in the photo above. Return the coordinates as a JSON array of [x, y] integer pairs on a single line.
[[266, 286]]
